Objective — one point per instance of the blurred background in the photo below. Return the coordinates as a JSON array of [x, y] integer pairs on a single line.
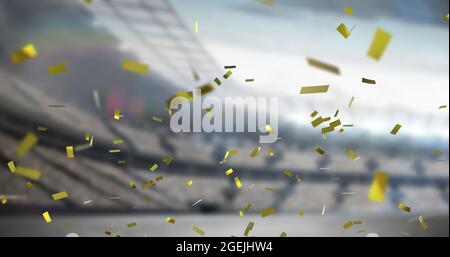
[[268, 41]]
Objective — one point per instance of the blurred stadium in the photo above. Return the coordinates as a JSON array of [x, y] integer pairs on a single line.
[[267, 42]]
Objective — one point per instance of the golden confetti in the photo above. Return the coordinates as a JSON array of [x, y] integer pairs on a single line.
[[351, 102], [283, 234], [29, 184], [369, 81], [60, 195], [319, 150], [357, 222], [313, 114], [41, 129], [167, 160], [348, 10], [442, 106], [249, 80], [69, 151], [131, 225], [57, 68], [196, 26], [237, 182], [218, 82], [255, 152], [229, 172], [170, 220], [241, 213], [157, 119], [438, 152], [135, 67], [348, 225], [247, 208], [297, 178], [288, 173], [47, 217], [267, 212], [380, 41], [249, 228], [319, 121], [228, 154], [396, 129], [270, 189], [133, 184], [27, 52], [26, 144], [4, 200], [230, 67], [301, 213], [422, 223], [268, 128], [323, 66], [117, 141], [352, 154], [11, 166], [446, 17], [117, 114], [189, 183], [404, 207], [154, 167], [314, 89], [379, 185], [270, 151], [345, 32], [228, 74], [198, 230], [28, 173]]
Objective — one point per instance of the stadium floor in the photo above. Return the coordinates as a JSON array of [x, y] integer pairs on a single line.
[[221, 225]]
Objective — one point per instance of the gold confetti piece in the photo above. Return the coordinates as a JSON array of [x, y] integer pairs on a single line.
[[379, 186], [170, 220], [218, 82], [47, 217], [117, 114], [301, 213], [133, 184], [352, 154], [69, 151], [87, 202], [446, 17], [117, 141], [336, 113], [194, 74], [396, 129], [369, 81], [198, 230], [270, 189], [267, 212], [228, 154], [357, 222], [230, 67], [60, 195], [189, 183], [29, 184], [348, 225], [422, 223], [11, 166], [241, 213], [341, 130], [268, 128], [4, 200], [348, 10], [319, 150], [196, 26], [131, 225], [270, 151], [26, 144], [167, 160], [297, 178], [345, 32], [314, 89], [229, 172], [247, 208], [442, 106], [87, 137], [335, 123], [283, 234], [351, 102], [159, 178], [438, 152], [255, 152], [288, 173], [323, 66], [157, 119], [237, 182], [28, 173], [319, 121], [135, 67], [227, 75], [404, 234], [154, 167], [114, 151], [380, 41], [41, 129], [27, 52], [57, 68], [249, 80], [249, 228], [404, 207], [327, 130], [313, 114], [205, 89]]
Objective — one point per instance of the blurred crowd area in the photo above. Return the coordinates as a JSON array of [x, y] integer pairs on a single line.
[[267, 42]]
